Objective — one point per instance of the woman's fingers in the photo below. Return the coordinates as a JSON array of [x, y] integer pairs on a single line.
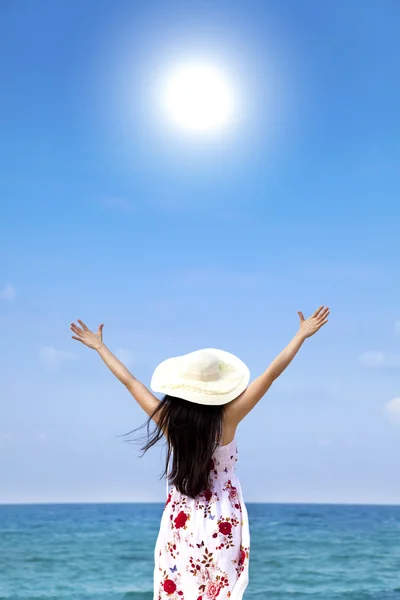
[[318, 311], [322, 311], [76, 329], [84, 327], [320, 324], [76, 338], [322, 316]]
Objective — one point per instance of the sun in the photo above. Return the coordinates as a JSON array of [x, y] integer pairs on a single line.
[[198, 98]]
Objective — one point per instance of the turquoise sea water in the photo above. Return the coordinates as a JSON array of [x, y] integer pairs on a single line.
[[105, 552]]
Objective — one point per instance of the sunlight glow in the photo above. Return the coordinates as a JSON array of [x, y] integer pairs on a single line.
[[198, 98]]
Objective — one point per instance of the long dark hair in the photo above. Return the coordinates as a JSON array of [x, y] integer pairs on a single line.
[[192, 431]]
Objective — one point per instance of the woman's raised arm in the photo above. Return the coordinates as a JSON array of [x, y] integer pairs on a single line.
[[241, 406], [140, 392]]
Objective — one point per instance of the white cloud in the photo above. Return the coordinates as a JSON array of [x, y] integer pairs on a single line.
[[8, 293], [392, 410], [51, 357], [125, 356], [373, 360]]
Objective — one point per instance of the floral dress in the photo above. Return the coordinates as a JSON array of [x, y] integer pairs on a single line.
[[202, 549]]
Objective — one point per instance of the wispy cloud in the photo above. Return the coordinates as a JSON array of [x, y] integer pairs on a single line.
[[376, 359], [52, 357], [8, 293], [125, 356], [392, 411]]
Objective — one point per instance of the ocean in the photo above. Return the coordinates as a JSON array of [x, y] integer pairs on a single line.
[[105, 552]]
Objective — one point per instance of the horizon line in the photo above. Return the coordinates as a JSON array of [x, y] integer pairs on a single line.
[[118, 502]]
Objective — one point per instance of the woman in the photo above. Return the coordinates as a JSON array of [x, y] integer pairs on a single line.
[[203, 545]]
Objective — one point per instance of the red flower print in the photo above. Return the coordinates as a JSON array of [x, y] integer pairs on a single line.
[[242, 557], [208, 495], [232, 493], [169, 586], [225, 528], [180, 520], [200, 598], [168, 499], [212, 465], [212, 590]]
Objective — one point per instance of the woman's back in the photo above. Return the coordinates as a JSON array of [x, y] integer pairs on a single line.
[[202, 550]]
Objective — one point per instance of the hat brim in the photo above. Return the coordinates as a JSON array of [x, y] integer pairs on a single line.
[[167, 380]]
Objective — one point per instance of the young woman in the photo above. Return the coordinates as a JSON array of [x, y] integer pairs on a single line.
[[203, 545]]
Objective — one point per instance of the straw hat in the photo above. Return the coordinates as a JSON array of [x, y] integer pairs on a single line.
[[209, 376]]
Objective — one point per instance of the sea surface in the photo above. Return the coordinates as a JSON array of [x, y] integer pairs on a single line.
[[105, 552]]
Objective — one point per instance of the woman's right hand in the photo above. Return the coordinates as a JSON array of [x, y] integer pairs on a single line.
[[314, 323], [87, 337]]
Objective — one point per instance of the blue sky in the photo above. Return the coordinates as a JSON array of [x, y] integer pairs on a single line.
[[177, 243]]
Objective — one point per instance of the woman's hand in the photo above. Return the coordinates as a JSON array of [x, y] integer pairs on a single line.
[[87, 337], [314, 323]]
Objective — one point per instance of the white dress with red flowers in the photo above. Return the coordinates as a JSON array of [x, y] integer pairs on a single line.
[[202, 549]]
